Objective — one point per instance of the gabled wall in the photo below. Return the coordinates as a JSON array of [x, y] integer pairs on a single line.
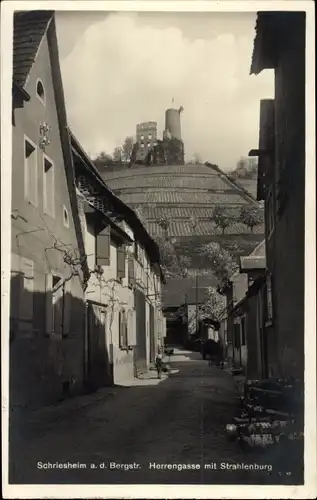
[[107, 290], [145, 329], [44, 365]]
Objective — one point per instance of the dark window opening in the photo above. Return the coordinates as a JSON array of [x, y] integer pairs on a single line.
[[237, 339], [65, 217], [56, 280], [243, 339], [40, 90]]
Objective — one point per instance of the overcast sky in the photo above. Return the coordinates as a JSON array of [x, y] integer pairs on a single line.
[[120, 69]]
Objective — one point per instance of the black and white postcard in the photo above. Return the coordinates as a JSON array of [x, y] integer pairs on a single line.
[[158, 249]]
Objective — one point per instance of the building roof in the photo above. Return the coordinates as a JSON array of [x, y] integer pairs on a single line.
[[17, 89], [120, 207], [272, 29], [256, 260], [29, 29], [249, 263]]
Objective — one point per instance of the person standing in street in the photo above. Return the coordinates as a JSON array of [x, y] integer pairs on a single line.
[[159, 362]]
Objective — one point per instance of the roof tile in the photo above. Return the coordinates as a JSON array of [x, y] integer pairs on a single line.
[[28, 28]]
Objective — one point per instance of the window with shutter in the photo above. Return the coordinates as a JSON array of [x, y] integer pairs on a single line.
[[30, 171], [103, 247], [131, 328], [121, 262], [57, 305], [67, 316], [48, 186], [123, 330], [131, 271], [120, 329], [136, 250]]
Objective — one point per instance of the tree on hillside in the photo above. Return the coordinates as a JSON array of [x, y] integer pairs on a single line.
[[117, 154], [134, 153], [127, 148], [246, 168], [251, 217], [185, 263], [169, 259], [197, 159], [221, 261], [213, 307], [221, 218], [103, 160], [164, 223], [173, 150]]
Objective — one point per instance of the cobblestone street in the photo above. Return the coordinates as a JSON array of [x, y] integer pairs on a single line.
[[177, 420]]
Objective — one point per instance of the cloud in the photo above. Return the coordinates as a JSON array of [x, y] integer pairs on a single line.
[[121, 72]]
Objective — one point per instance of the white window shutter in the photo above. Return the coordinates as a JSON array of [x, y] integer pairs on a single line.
[[103, 247], [48, 304], [67, 307], [132, 329], [120, 328]]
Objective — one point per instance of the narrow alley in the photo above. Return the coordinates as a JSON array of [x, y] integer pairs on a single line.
[[159, 431]]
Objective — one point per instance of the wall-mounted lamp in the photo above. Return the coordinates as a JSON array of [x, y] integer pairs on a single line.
[[44, 140]]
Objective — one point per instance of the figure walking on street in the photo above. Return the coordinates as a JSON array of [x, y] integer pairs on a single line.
[[159, 362]]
